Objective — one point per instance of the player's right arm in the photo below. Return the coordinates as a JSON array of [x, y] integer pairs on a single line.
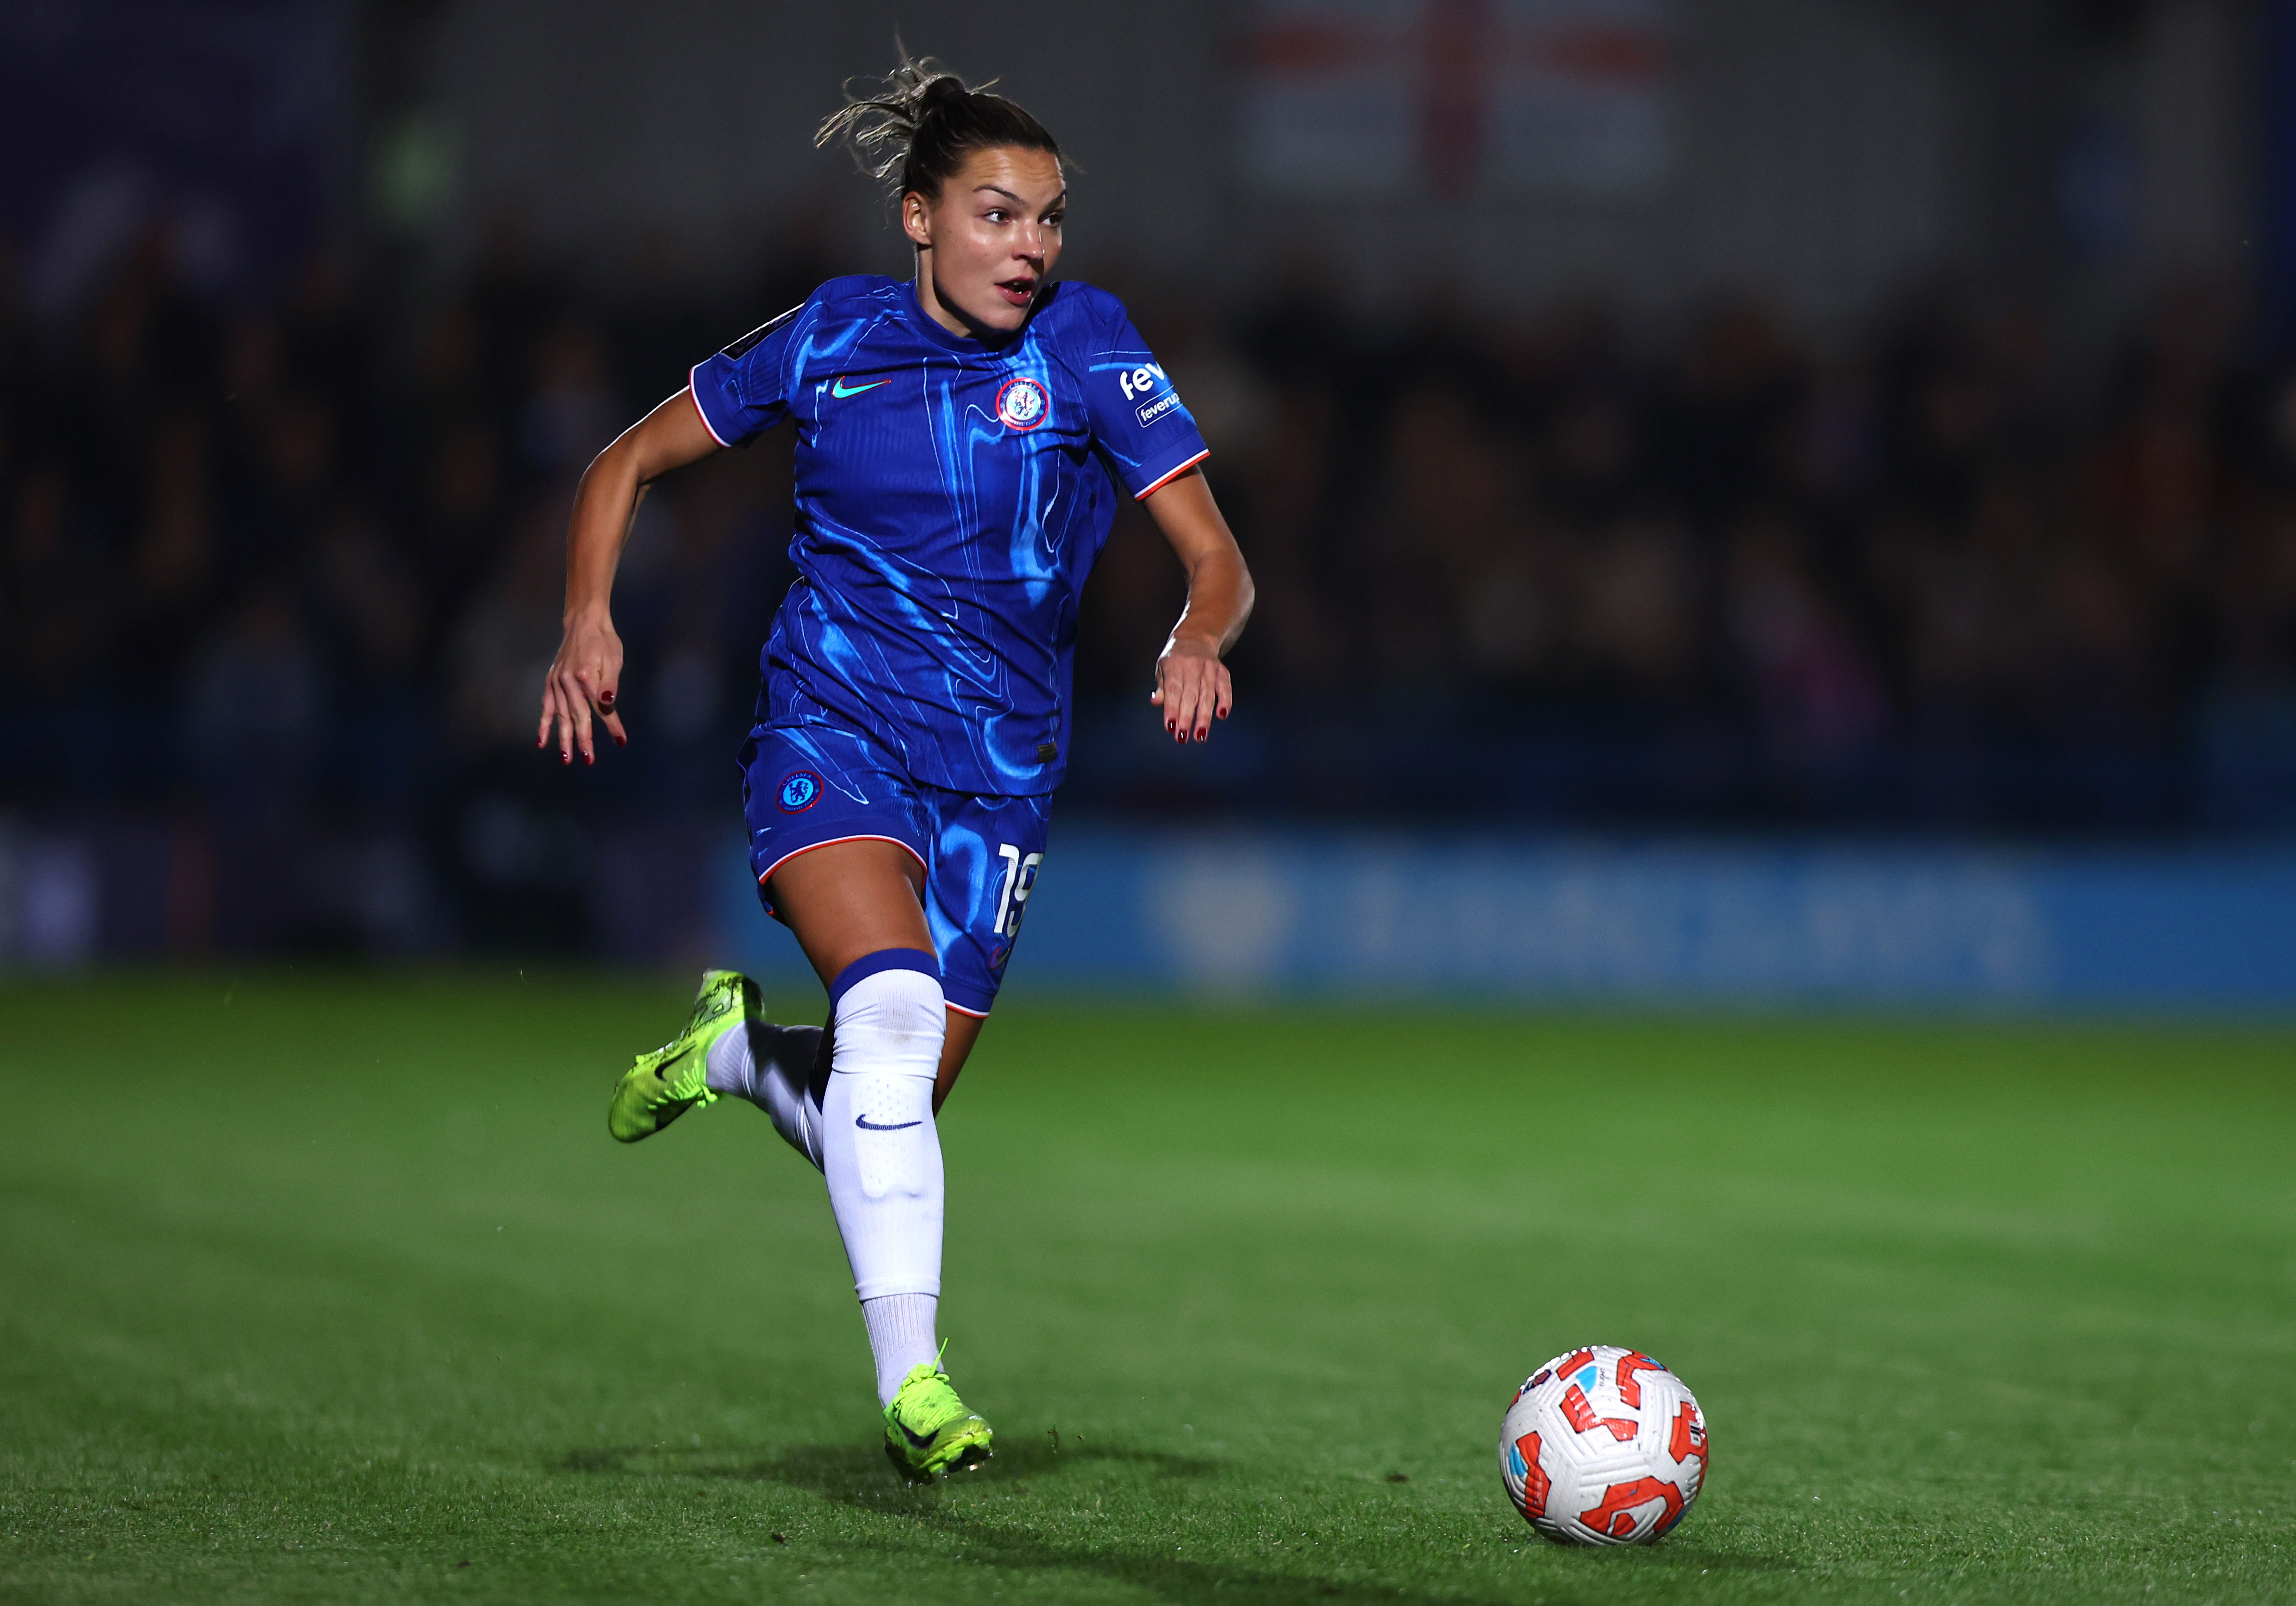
[[586, 675]]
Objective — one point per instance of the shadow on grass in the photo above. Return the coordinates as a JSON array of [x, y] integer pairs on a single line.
[[857, 1476]]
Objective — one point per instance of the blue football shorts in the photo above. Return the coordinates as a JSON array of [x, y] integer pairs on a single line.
[[806, 786]]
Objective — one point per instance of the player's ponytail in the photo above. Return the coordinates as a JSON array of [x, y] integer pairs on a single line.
[[916, 130]]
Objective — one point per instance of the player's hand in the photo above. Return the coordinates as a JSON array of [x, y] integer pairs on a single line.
[[1191, 688], [583, 682]]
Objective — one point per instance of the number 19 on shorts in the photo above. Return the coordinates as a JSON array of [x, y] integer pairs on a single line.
[[1019, 881]]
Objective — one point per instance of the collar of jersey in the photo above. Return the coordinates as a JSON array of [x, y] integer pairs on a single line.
[[963, 344]]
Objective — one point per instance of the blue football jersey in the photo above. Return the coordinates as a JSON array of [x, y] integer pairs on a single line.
[[951, 497]]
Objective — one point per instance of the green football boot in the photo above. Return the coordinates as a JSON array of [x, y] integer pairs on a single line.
[[929, 1430], [666, 1083]]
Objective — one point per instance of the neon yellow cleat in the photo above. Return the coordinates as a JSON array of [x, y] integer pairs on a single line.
[[666, 1083], [929, 1430]]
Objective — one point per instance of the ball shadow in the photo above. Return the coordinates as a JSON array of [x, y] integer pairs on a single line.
[[858, 1477]]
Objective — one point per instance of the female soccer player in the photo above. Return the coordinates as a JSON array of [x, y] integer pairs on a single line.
[[957, 435]]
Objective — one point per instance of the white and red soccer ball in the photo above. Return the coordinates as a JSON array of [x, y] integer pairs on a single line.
[[1603, 1445]]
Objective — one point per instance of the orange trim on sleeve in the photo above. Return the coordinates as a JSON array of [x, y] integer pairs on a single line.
[[1161, 484], [698, 413]]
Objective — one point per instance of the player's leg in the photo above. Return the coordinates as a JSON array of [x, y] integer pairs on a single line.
[[956, 1048], [859, 895], [801, 789], [965, 909], [854, 908], [785, 1071], [781, 1070], [804, 792]]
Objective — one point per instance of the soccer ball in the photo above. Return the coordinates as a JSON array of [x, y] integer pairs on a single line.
[[1603, 1445]]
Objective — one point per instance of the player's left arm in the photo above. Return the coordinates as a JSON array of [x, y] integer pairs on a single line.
[[1192, 682]]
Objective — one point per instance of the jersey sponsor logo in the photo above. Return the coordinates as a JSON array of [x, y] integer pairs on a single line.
[[1144, 381], [800, 791], [1153, 411], [841, 390], [1023, 404]]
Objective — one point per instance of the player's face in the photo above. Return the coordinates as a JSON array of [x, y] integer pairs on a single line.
[[990, 239]]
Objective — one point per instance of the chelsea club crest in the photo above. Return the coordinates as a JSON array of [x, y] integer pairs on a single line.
[[800, 791], [1023, 404]]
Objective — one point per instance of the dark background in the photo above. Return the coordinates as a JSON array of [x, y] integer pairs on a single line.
[[1904, 443]]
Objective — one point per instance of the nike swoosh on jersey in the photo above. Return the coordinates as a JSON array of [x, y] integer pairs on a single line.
[[863, 1121], [839, 388]]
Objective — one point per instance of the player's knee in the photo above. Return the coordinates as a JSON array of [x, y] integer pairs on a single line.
[[888, 1008]]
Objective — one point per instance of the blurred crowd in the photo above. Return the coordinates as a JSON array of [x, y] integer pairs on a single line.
[[1944, 576], [278, 581]]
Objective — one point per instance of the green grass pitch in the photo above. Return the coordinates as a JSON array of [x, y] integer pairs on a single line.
[[334, 1290]]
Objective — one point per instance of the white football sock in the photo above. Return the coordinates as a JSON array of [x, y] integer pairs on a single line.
[[900, 1336], [880, 1148], [775, 1067]]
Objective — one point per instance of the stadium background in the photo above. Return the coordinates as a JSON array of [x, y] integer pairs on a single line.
[[1722, 427]]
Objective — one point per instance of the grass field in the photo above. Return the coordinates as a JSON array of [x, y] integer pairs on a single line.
[[334, 1289]]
